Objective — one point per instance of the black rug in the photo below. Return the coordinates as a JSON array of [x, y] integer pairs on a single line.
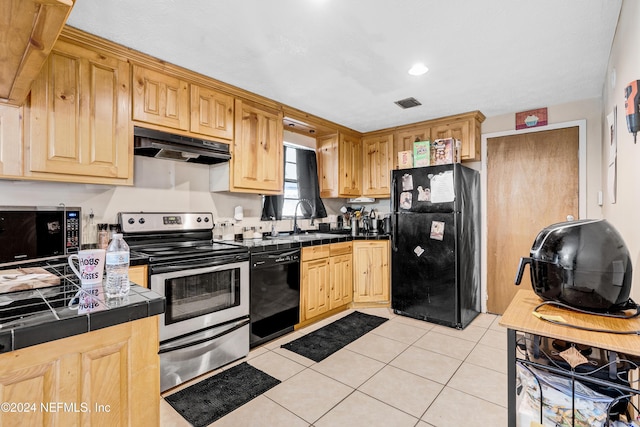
[[322, 343], [210, 399]]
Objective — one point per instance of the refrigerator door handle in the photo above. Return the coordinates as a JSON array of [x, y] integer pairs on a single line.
[[523, 262], [394, 232]]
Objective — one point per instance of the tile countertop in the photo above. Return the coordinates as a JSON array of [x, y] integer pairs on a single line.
[[302, 240], [36, 316]]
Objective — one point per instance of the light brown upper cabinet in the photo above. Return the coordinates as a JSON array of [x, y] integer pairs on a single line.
[[160, 99], [377, 159], [404, 141], [257, 164], [327, 155], [11, 141], [211, 113], [339, 165], [349, 165], [172, 102], [463, 127], [28, 32], [79, 118]]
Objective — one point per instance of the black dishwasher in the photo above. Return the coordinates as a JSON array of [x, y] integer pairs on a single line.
[[275, 294]]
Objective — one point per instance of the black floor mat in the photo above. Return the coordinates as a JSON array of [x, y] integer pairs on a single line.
[[322, 343], [212, 398]]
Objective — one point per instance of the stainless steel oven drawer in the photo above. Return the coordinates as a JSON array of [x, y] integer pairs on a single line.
[[192, 355]]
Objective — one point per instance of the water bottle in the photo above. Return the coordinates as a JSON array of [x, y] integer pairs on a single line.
[[117, 266]]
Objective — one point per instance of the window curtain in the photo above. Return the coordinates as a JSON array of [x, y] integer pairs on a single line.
[[308, 187], [272, 207], [308, 184]]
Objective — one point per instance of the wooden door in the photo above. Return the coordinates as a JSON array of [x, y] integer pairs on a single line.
[[160, 99], [80, 115], [108, 377], [377, 165], [405, 139], [327, 152], [315, 286], [341, 292], [349, 166], [371, 271], [211, 112], [532, 182], [11, 140], [258, 140]]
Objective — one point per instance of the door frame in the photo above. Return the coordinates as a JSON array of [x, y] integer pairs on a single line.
[[582, 184]]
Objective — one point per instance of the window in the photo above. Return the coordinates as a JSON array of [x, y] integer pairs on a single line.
[[300, 182], [291, 187]]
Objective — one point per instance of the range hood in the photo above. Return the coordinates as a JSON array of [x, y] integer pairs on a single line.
[[164, 145]]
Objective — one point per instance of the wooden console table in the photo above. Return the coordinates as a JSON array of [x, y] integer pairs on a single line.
[[519, 318]]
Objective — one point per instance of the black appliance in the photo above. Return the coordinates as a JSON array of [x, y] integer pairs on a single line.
[[584, 264], [275, 294], [163, 145], [206, 286], [436, 244], [38, 232]]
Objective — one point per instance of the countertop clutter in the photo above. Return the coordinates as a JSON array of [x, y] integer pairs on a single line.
[[285, 241], [35, 316]]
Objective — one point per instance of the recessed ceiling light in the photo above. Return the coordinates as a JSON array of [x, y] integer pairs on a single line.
[[418, 69]]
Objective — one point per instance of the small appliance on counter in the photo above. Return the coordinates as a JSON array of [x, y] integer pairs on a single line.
[[584, 264], [38, 232]]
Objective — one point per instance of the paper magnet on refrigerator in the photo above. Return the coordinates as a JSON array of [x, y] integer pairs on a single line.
[[437, 230]]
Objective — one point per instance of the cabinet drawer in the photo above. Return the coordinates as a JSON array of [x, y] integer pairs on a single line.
[[344, 248], [315, 252]]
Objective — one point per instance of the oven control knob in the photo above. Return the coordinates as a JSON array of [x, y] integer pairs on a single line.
[[206, 219], [131, 221], [141, 221], [198, 219]]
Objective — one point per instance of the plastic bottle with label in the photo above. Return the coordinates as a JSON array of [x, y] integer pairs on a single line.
[[117, 266]]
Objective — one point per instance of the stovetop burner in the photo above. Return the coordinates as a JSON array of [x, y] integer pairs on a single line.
[[187, 249], [163, 237]]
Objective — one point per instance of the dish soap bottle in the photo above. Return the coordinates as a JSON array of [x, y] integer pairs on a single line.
[[117, 266]]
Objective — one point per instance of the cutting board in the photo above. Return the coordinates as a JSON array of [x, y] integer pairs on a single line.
[[20, 279]]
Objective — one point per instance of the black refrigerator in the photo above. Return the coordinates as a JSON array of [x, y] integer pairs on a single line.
[[436, 244]]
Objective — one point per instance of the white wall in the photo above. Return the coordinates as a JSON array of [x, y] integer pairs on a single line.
[[625, 60], [159, 185]]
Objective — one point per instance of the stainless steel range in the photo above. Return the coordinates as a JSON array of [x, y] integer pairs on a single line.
[[206, 286]]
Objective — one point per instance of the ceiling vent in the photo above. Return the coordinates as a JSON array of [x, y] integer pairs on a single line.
[[408, 103]]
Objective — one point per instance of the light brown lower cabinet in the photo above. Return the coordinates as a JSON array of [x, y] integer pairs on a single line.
[[341, 268], [138, 275], [371, 274], [326, 279], [108, 377]]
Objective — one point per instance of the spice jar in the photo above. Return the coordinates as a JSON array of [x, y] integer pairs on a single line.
[[103, 236]]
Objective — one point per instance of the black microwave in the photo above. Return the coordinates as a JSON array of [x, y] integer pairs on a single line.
[[29, 233]]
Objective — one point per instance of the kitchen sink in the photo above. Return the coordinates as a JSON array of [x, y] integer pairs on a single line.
[[305, 237]]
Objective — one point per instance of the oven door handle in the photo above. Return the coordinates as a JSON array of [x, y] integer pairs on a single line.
[[168, 347], [157, 269]]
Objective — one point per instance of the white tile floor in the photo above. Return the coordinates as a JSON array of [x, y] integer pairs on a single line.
[[404, 373]]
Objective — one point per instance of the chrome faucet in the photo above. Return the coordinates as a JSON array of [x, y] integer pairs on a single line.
[[296, 229]]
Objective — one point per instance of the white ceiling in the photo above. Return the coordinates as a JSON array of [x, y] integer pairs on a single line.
[[347, 60]]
